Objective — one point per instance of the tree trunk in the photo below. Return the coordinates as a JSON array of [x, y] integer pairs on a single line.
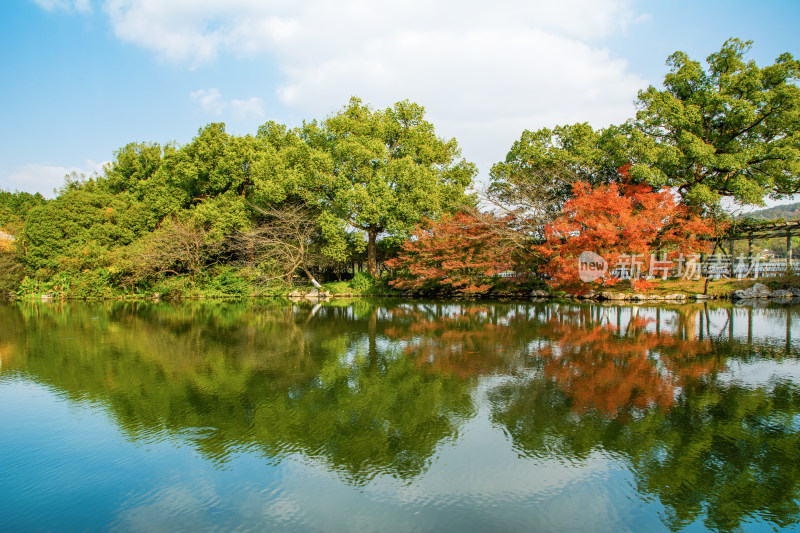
[[314, 282], [372, 352], [251, 252], [372, 260]]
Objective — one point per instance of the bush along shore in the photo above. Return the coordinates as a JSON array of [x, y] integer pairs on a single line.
[[327, 291], [784, 290]]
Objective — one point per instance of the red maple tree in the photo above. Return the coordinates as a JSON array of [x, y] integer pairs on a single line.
[[621, 221], [462, 253]]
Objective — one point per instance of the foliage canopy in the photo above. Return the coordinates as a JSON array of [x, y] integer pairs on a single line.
[[387, 169]]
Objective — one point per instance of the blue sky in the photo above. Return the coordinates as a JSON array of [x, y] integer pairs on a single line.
[[82, 78]]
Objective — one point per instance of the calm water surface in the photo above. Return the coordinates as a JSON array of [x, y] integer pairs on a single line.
[[398, 416]]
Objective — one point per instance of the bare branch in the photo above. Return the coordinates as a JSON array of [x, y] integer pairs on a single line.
[[283, 242]]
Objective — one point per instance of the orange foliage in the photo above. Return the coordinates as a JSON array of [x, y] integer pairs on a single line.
[[464, 345], [595, 365], [6, 243], [461, 253], [601, 368], [616, 221]]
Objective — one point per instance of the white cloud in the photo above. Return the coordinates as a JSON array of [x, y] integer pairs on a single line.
[[82, 6], [482, 86], [243, 109], [211, 102], [484, 72], [45, 178], [197, 30]]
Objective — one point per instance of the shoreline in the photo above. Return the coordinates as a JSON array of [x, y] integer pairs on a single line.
[[757, 294]]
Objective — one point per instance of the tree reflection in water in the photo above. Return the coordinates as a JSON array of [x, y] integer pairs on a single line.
[[237, 376], [620, 372], [707, 447], [373, 388]]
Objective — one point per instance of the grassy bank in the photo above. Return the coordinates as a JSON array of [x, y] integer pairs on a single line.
[[237, 283], [216, 283]]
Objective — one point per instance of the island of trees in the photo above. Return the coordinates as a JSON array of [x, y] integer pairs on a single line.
[[376, 198]]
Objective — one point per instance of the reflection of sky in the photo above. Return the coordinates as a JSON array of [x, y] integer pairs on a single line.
[[761, 373]]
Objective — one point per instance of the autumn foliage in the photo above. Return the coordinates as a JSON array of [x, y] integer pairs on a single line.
[[463, 253], [467, 343], [610, 371], [613, 370], [618, 222]]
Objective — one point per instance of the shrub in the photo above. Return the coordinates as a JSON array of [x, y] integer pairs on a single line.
[[362, 282]]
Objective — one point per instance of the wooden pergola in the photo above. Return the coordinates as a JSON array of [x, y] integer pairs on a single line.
[[749, 230]]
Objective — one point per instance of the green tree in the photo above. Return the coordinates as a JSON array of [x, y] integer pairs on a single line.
[[75, 231], [14, 207], [132, 167], [536, 178], [11, 269], [732, 130], [213, 175], [729, 131], [140, 173], [386, 170]]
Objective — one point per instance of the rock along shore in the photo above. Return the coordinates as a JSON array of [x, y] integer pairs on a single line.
[[758, 291]]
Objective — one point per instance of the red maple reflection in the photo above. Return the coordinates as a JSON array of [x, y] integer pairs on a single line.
[[602, 368], [595, 364]]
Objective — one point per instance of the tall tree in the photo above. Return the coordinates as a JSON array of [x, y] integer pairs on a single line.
[[387, 169], [133, 165], [11, 268], [732, 130], [76, 230], [535, 180], [729, 131], [14, 207]]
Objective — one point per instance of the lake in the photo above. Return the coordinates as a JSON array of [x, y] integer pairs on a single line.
[[399, 416]]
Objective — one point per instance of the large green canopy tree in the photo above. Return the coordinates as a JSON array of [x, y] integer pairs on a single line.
[[387, 169], [75, 231], [214, 176], [731, 130], [14, 207]]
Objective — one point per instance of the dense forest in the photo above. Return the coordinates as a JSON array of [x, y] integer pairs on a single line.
[[227, 214], [374, 196]]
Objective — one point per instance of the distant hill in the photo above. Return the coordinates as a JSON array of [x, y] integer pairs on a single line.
[[785, 212]]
